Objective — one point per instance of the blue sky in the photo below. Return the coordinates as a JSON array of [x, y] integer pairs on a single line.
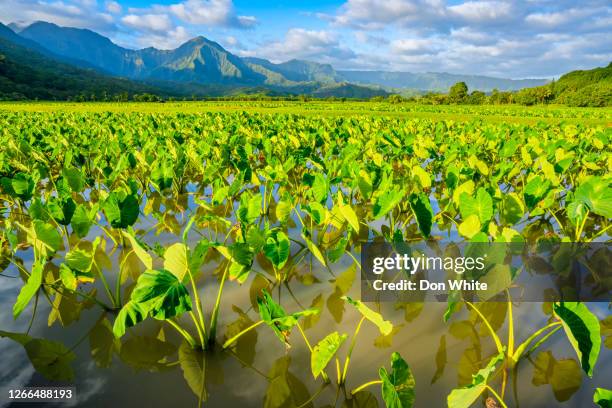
[[516, 39]]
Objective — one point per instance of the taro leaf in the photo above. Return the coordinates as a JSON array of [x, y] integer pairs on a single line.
[[121, 213], [465, 396], [241, 255], [334, 254], [80, 259], [49, 358], [146, 353], [582, 330], [603, 398], [44, 238], [176, 260], [193, 364], [319, 188], [21, 186], [61, 210], [314, 249], [324, 351], [384, 326], [564, 376], [81, 221], [386, 202], [441, 360], [275, 316], [162, 294], [470, 226], [596, 194], [140, 252], [349, 215], [283, 210], [481, 205], [250, 208], [75, 179], [422, 176], [130, 314], [512, 209], [28, 290], [317, 212], [103, 343], [535, 191], [68, 277], [276, 248], [397, 387], [271, 312], [421, 208]]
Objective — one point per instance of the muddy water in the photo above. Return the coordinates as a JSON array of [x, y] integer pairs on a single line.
[[230, 383], [241, 378]]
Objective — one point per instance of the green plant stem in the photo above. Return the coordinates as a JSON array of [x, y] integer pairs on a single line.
[[579, 230], [198, 328], [183, 333], [362, 386], [236, 337], [107, 289], [323, 373], [215, 313], [202, 325], [501, 401], [33, 313], [350, 351], [521, 349], [314, 396]]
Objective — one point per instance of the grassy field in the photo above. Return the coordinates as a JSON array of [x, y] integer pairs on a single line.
[[497, 114]]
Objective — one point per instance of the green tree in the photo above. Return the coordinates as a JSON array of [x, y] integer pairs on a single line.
[[458, 93]]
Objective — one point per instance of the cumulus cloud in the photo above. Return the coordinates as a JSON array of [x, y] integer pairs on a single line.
[[477, 11], [299, 43], [165, 40], [70, 13], [209, 13], [148, 22]]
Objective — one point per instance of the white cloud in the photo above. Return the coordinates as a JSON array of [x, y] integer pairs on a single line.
[[557, 18], [166, 40], [148, 22], [479, 11], [412, 46], [113, 7], [210, 13], [299, 43]]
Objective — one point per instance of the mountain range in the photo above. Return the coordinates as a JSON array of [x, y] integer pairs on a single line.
[[201, 66]]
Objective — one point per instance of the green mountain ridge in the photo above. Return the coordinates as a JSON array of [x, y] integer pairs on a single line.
[[203, 61]]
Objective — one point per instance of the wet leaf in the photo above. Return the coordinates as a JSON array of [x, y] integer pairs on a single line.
[[384, 326], [397, 387], [603, 398], [324, 351], [162, 294], [465, 396], [583, 332], [28, 290]]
